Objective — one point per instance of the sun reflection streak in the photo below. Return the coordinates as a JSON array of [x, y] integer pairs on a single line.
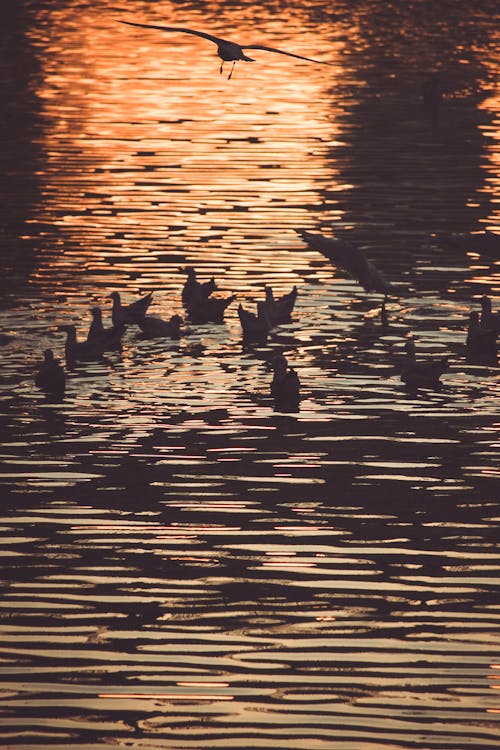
[[117, 101]]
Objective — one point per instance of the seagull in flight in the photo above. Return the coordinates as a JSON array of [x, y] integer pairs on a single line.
[[227, 51]]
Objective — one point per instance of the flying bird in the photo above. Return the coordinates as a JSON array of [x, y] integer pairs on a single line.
[[227, 51], [353, 260]]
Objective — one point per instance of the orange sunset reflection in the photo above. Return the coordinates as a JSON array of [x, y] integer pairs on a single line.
[[177, 156]]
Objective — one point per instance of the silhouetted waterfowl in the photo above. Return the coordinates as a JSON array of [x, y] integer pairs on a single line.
[[279, 310], [481, 342], [51, 377], [194, 290], [128, 313], [254, 326], [285, 385], [489, 319], [421, 373], [484, 243], [209, 310], [97, 332], [80, 351], [154, 327], [227, 51], [353, 260]]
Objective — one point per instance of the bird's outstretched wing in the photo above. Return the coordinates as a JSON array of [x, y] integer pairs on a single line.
[[282, 52], [351, 259], [211, 38]]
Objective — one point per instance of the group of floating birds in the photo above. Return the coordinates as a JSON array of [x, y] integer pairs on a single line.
[[202, 307]]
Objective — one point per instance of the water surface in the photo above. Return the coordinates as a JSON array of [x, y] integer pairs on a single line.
[[184, 567]]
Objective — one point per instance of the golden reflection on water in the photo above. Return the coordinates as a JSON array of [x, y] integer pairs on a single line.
[[144, 140], [148, 158]]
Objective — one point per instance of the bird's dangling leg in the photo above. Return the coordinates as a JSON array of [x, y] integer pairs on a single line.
[[231, 73], [383, 311], [221, 67]]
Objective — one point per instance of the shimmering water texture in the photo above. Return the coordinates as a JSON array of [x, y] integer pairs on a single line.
[[184, 566]]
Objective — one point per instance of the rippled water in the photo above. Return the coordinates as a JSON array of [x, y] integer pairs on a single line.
[[184, 567]]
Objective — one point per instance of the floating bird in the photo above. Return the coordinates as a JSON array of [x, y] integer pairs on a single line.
[[285, 385], [351, 259], [194, 290], [254, 326], [481, 342], [80, 351], [227, 51], [279, 310], [489, 319], [51, 377], [423, 374], [153, 327], [209, 310], [121, 314], [484, 243], [110, 336]]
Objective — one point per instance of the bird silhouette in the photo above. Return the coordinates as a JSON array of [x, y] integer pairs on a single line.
[[254, 326], [121, 314], [279, 309], [111, 337], [285, 385], [209, 309], [154, 327], [421, 374], [81, 351], [50, 376], [228, 51], [481, 342], [353, 260], [489, 319], [193, 290]]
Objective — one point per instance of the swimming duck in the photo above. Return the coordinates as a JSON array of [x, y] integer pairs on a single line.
[[51, 377], [154, 327], [489, 319], [194, 290], [353, 260], [255, 326], [208, 310], [279, 310], [128, 313], [77, 351], [285, 385], [423, 374], [111, 336], [481, 342]]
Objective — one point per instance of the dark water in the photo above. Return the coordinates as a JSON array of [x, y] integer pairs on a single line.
[[184, 567]]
